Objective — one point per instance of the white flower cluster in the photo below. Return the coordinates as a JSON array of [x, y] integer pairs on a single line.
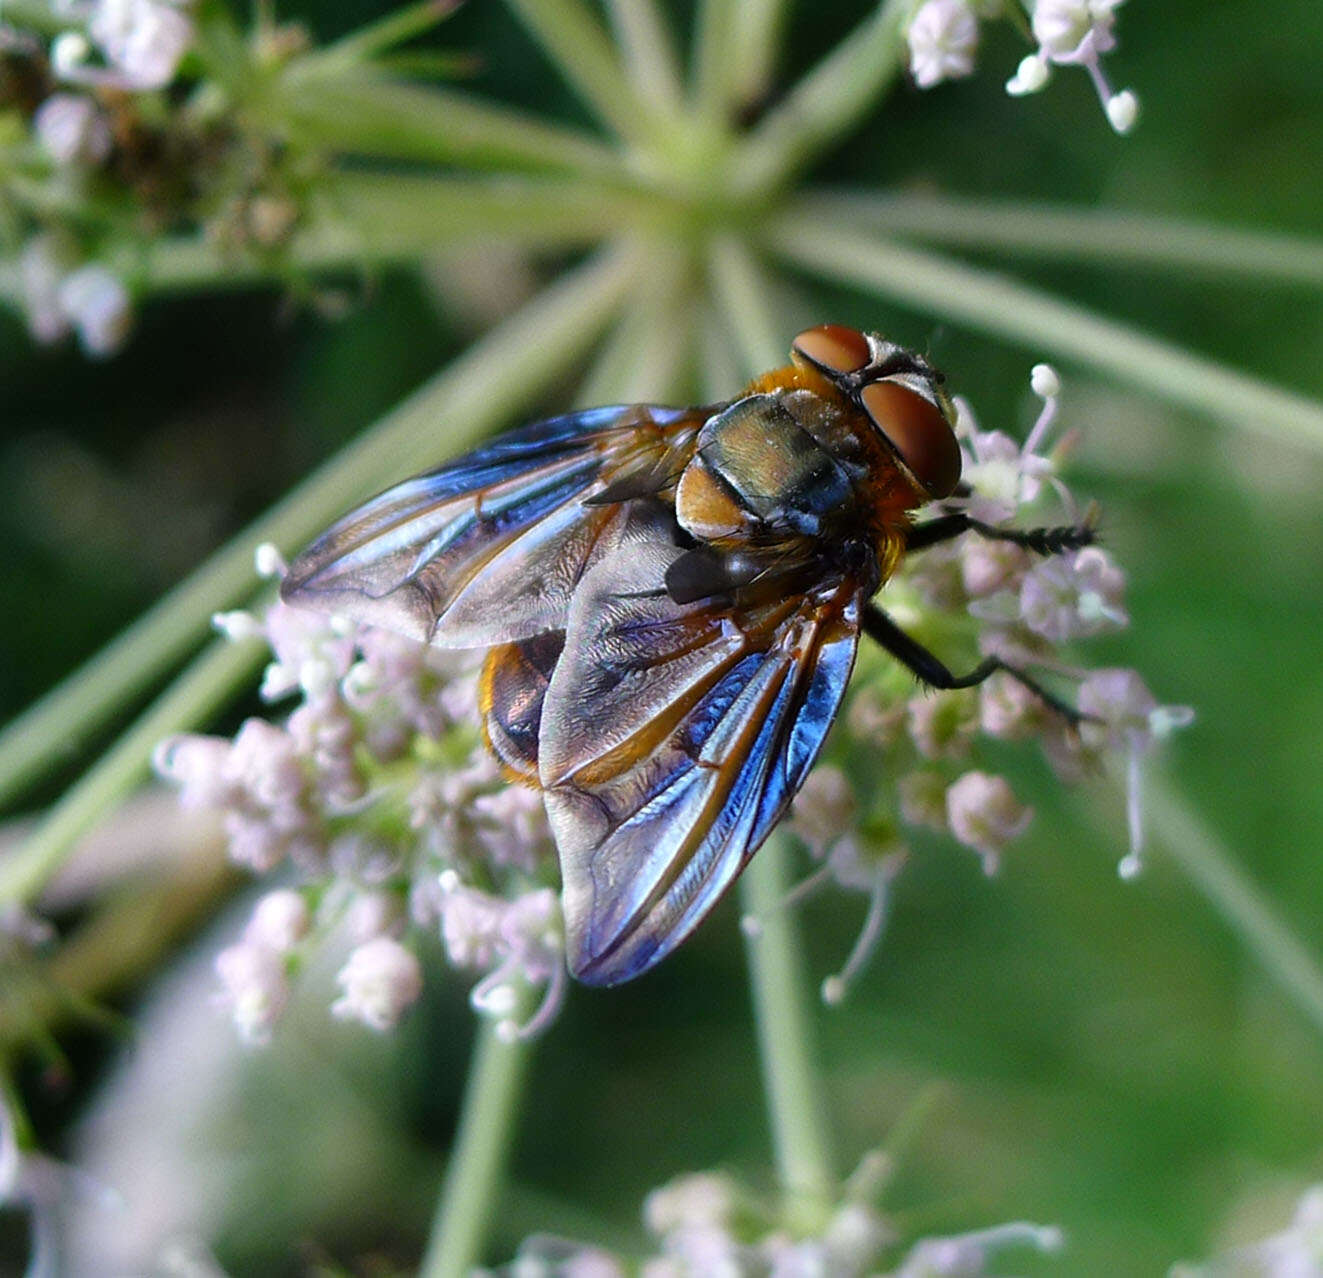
[[943, 37], [378, 793], [707, 1226], [1008, 601]]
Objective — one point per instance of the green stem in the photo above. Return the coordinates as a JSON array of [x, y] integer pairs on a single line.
[[742, 289], [371, 115], [790, 1080], [475, 394], [648, 49], [1108, 237], [203, 688], [385, 33], [759, 27], [1233, 895], [477, 1160], [715, 61], [1046, 325], [828, 102], [575, 40], [644, 357]]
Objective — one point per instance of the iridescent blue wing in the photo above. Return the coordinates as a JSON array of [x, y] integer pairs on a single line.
[[672, 739], [489, 548]]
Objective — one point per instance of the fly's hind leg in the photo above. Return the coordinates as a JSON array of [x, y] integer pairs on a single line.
[[934, 672]]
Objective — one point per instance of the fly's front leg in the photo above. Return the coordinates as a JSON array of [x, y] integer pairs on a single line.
[[1043, 541], [934, 672]]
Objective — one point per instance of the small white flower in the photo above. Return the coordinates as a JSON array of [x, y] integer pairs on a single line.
[[700, 1199], [256, 989], [381, 981], [943, 39], [73, 129], [280, 921], [1075, 30], [268, 562], [1045, 381], [96, 303], [1123, 111], [985, 815], [143, 39], [1031, 76]]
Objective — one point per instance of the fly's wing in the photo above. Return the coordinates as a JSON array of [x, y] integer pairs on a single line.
[[488, 549], [673, 737]]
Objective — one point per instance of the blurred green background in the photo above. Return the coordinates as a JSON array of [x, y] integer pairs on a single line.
[[1108, 1056]]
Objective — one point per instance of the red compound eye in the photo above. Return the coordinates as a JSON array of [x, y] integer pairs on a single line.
[[833, 348], [919, 433]]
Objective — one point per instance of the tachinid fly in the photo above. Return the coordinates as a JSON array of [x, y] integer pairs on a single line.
[[671, 599]]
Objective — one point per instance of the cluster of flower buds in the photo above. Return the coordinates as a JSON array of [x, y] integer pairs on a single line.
[[77, 91], [943, 37], [706, 1223], [976, 595], [378, 794]]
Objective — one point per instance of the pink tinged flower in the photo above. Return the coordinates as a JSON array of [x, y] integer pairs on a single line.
[[313, 651], [197, 765], [280, 921], [73, 129], [1073, 595], [1008, 710], [943, 39], [381, 981], [985, 815], [989, 566], [510, 825], [256, 989], [264, 762]]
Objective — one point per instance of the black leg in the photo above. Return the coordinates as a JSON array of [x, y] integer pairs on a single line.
[[932, 671], [1043, 541]]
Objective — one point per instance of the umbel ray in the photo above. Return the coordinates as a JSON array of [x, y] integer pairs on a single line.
[[671, 599]]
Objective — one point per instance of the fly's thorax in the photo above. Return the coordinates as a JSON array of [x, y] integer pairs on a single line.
[[757, 475]]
